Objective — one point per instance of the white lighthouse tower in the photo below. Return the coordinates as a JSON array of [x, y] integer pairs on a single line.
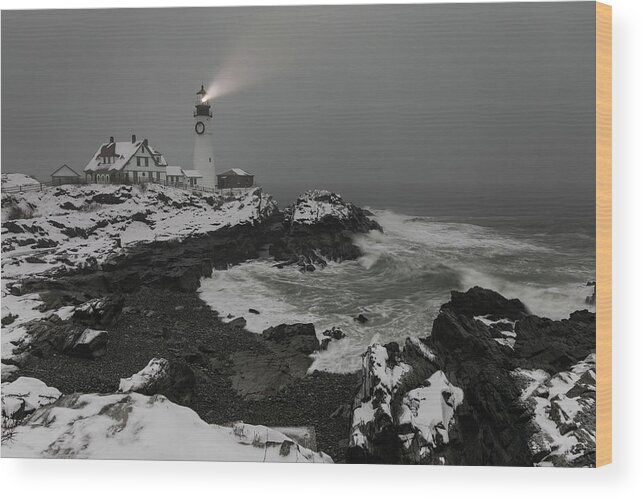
[[203, 149]]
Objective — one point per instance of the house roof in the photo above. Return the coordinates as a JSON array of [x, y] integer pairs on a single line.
[[236, 171], [174, 171], [123, 152], [192, 173], [65, 171]]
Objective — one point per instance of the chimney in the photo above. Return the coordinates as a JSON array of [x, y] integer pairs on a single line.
[[145, 142], [133, 138], [111, 140]]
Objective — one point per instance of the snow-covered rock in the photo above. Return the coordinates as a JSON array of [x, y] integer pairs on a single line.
[[428, 413], [319, 227], [152, 374], [372, 414], [319, 206], [90, 344], [460, 398], [564, 408], [313, 206], [136, 426], [24, 395]]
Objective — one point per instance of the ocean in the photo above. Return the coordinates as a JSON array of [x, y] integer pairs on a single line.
[[407, 272]]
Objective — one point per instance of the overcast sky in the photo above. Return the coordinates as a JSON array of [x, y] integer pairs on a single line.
[[367, 100]]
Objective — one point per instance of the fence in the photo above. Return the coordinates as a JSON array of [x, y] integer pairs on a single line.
[[23, 188], [179, 185]]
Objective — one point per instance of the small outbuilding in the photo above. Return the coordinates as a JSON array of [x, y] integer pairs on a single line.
[[64, 175], [235, 178]]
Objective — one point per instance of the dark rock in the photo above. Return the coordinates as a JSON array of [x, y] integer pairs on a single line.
[[300, 337], [100, 311], [361, 318], [34, 259], [90, 344], [313, 240], [8, 319], [253, 311], [555, 345], [238, 323], [334, 333], [13, 227], [174, 379], [479, 301]]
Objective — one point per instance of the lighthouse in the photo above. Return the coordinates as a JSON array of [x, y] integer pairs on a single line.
[[203, 160]]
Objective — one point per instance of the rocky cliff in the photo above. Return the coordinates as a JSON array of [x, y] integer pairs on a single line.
[[320, 227], [492, 385]]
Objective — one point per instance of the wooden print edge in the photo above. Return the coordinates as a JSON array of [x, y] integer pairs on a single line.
[[603, 234]]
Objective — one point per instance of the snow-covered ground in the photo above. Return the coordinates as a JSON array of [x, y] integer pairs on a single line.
[[16, 180], [132, 426], [82, 226]]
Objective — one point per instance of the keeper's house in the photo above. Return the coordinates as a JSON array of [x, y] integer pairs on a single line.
[[235, 178], [135, 161]]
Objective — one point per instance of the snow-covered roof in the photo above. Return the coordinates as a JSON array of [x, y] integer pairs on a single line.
[[192, 173], [122, 152], [174, 171], [65, 171], [236, 171]]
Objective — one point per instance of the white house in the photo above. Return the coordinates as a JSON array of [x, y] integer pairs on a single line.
[[134, 161]]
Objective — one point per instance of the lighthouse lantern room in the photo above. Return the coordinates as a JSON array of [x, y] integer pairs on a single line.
[[203, 148]]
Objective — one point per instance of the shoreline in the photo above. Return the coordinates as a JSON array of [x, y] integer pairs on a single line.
[[198, 338], [143, 304]]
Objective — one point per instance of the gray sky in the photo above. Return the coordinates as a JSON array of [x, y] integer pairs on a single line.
[[439, 101]]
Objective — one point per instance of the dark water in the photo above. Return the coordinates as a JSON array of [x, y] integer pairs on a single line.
[[407, 272]]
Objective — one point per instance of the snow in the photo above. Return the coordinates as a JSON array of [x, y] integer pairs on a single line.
[[192, 173], [75, 230], [426, 409], [312, 206], [26, 395], [13, 180], [509, 337], [174, 171], [89, 335], [424, 350], [236, 171], [135, 426], [379, 379], [562, 433], [155, 369]]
